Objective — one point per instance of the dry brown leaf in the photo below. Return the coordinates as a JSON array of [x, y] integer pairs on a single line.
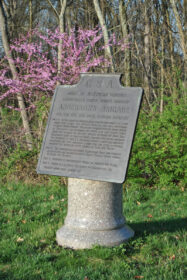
[[172, 257], [138, 202], [139, 277], [149, 216], [20, 239], [42, 240], [51, 197], [24, 221]]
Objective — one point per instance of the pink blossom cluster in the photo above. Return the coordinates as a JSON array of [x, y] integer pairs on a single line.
[[36, 59]]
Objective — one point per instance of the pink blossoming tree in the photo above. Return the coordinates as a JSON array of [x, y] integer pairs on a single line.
[[35, 57]]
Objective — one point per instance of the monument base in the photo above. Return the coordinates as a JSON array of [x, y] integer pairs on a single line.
[[81, 239], [95, 215]]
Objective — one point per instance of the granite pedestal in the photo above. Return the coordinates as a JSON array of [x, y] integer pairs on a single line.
[[94, 215]]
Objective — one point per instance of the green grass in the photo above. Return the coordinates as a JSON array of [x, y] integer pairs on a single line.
[[30, 216]]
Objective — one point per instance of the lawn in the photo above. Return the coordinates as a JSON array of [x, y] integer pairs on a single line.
[[31, 214]]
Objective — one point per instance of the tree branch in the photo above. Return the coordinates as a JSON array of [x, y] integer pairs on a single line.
[[5, 8], [63, 7], [53, 9]]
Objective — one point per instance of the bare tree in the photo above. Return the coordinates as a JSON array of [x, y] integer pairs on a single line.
[[30, 14], [105, 32], [181, 33], [60, 17], [147, 50], [125, 32], [180, 28], [13, 69]]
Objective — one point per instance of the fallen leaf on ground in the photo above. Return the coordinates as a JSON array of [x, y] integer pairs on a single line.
[[139, 277], [23, 221], [172, 257], [51, 197], [138, 202], [149, 216], [20, 239], [42, 240]]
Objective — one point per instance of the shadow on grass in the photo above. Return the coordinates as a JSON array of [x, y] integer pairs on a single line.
[[156, 227], [6, 275]]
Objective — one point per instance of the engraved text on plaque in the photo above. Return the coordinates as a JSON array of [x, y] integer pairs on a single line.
[[90, 129]]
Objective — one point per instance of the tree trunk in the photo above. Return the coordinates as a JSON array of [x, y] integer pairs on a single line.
[[162, 76], [28, 135], [180, 29], [173, 79], [146, 54], [170, 38], [62, 30], [105, 33], [181, 35], [30, 15], [124, 28], [68, 18], [60, 18]]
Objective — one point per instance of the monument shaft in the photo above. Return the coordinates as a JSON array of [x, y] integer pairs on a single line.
[[94, 216]]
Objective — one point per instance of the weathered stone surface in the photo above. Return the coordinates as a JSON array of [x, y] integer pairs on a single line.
[[90, 129], [94, 215]]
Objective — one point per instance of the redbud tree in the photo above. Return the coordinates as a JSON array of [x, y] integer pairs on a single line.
[[36, 58]]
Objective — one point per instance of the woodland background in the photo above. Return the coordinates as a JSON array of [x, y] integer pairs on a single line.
[[49, 42], [154, 58]]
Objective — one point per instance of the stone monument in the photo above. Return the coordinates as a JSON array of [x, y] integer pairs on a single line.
[[88, 139]]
